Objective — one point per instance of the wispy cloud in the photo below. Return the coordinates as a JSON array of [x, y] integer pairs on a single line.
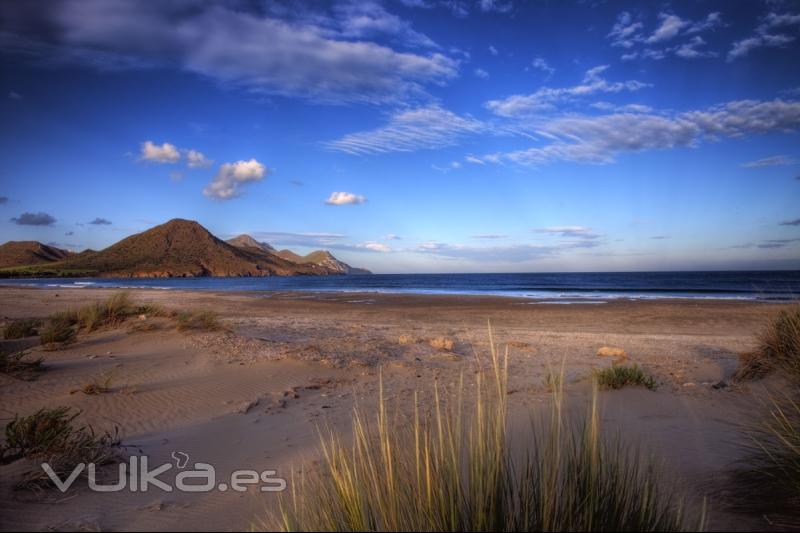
[[423, 128], [774, 161], [100, 222], [599, 139], [546, 98], [3, 200], [489, 236], [770, 33], [795, 222], [629, 33], [195, 159]]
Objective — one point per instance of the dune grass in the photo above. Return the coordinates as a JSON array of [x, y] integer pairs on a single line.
[[198, 320], [59, 329], [21, 328], [618, 377], [100, 384], [17, 366], [453, 470], [778, 349], [50, 436], [767, 481]]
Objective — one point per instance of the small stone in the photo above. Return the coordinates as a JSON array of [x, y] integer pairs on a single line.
[[608, 351], [720, 385], [689, 385], [442, 343]]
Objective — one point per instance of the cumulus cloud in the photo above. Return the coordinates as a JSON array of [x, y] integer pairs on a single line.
[[598, 139], [546, 98], [100, 222], [159, 153], [670, 26], [321, 56], [692, 49], [429, 127], [34, 219], [230, 178], [774, 161], [770, 33], [345, 198], [195, 159]]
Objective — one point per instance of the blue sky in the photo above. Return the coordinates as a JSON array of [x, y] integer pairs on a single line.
[[414, 135]]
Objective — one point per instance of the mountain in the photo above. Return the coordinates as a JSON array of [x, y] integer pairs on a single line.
[[178, 248], [18, 253], [323, 258], [246, 241]]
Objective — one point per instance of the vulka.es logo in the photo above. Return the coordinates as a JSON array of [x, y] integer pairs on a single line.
[[135, 475]]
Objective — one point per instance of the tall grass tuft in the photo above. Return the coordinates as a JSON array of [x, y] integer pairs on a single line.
[[111, 312], [50, 436], [767, 482], [453, 470], [199, 320], [15, 365], [21, 328], [778, 349], [59, 329]]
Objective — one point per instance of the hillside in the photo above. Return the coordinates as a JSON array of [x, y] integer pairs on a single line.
[[178, 248], [323, 258], [18, 253]]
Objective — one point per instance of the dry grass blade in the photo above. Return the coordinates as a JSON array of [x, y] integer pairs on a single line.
[[778, 349], [451, 469], [618, 377]]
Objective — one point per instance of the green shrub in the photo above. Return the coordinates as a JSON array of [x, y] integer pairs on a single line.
[[618, 377], [21, 328]]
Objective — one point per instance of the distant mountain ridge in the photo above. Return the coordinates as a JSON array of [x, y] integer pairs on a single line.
[[18, 253], [322, 259], [178, 248]]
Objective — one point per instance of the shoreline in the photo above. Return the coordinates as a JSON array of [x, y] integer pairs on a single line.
[[310, 294]]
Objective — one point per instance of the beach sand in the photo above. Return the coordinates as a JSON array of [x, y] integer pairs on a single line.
[[294, 363]]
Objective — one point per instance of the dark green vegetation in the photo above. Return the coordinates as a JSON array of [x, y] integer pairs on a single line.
[[618, 377], [767, 483], [17, 366], [21, 328], [50, 436], [778, 349]]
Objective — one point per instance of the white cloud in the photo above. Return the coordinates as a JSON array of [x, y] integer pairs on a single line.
[[159, 153], [195, 159], [422, 128], [630, 34], [767, 35], [498, 6], [493, 50], [392, 237], [345, 198], [774, 161], [374, 247], [670, 27], [599, 139], [231, 177], [541, 64], [545, 99], [308, 55], [479, 72], [691, 49]]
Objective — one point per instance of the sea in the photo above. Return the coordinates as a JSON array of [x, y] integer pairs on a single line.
[[556, 288]]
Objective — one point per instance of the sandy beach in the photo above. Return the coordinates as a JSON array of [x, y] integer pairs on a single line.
[[255, 397]]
